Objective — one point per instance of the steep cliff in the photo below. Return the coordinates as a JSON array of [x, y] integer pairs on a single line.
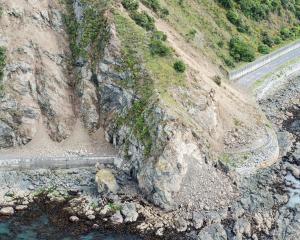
[[117, 69]]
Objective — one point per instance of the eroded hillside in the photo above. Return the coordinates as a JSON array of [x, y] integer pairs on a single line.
[[130, 71]]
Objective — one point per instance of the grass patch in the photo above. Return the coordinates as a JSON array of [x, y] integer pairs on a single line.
[[217, 24]]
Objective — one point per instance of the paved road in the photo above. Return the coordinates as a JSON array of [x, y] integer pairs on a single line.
[[53, 162], [249, 79]]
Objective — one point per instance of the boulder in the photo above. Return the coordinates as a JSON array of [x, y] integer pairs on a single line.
[[21, 207], [106, 181], [294, 170], [7, 211], [117, 218], [129, 212], [74, 219], [181, 225], [198, 220], [242, 227], [213, 232]]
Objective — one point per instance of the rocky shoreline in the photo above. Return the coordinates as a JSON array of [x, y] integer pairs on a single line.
[[267, 207]]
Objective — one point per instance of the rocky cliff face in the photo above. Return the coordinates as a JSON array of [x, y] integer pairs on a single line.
[[37, 84], [169, 134]]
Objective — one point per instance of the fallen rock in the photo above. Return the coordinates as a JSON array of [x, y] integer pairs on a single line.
[[74, 219], [213, 232], [160, 232], [129, 212], [198, 220], [21, 207], [106, 181], [242, 227], [7, 211], [117, 218], [91, 217], [294, 170], [181, 225]]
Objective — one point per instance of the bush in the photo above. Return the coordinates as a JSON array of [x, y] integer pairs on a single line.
[[220, 44], [226, 3], [164, 12], [157, 47], [156, 7], [264, 49], [2, 62], [131, 5], [277, 40], [285, 33], [218, 80], [267, 39], [144, 20], [240, 50], [179, 66], [233, 17], [243, 28], [159, 35], [191, 34], [153, 4], [229, 62]]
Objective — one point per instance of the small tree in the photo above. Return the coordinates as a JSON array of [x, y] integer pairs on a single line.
[[263, 48], [179, 66], [130, 5], [144, 20], [157, 47], [240, 50]]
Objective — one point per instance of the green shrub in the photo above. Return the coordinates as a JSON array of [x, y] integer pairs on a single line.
[[164, 12], [2, 66], [191, 35], [2, 62], [179, 66], [157, 47], [277, 40], [131, 5], [220, 43], [181, 2], [153, 4], [285, 33], [143, 19], [229, 62], [267, 39], [226, 3], [263, 48], [218, 80], [233, 17], [240, 50], [243, 28], [156, 7], [159, 35]]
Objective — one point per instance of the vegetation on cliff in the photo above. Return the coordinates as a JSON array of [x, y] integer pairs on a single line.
[[2, 66], [210, 25]]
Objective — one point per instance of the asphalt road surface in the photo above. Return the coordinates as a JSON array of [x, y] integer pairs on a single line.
[[249, 79]]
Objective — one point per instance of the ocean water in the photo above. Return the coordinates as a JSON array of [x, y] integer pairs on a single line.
[[37, 226]]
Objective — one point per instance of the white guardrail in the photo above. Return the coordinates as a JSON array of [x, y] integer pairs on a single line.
[[235, 74]]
